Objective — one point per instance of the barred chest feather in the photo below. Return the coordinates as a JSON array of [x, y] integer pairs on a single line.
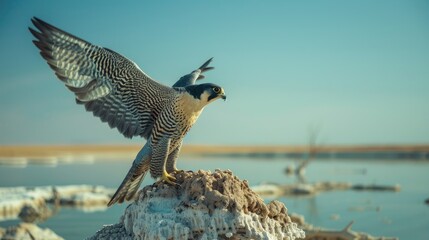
[[184, 112]]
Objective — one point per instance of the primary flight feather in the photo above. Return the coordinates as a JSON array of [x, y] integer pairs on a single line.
[[117, 91]]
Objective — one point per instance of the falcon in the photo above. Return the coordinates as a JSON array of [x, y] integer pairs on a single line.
[[117, 91]]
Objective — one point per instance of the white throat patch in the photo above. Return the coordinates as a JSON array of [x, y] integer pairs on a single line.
[[191, 104]]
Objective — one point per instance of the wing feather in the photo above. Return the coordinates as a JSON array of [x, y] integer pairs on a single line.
[[111, 86]]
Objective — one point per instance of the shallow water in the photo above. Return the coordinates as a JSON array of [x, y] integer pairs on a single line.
[[400, 214]]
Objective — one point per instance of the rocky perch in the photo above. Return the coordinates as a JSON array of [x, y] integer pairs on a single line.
[[203, 205]]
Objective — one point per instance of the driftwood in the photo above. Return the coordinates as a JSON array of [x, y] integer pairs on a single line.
[[313, 233], [309, 189], [346, 234], [373, 187]]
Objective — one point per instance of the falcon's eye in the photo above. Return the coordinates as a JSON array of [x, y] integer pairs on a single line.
[[216, 89]]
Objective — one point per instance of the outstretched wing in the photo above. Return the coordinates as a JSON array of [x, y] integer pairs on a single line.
[[191, 78], [108, 84]]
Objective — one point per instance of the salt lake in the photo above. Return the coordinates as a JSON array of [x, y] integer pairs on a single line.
[[400, 214]]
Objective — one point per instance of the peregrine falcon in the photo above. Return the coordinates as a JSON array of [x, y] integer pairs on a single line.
[[117, 91]]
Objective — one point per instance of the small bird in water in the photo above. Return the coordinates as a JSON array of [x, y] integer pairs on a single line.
[[117, 91]]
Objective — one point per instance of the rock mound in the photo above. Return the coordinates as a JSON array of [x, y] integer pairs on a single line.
[[202, 205]]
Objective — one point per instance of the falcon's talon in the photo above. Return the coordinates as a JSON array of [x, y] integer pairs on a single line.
[[169, 181], [168, 178], [176, 171], [171, 178]]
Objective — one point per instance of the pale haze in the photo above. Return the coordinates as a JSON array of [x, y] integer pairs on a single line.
[[357, 70]]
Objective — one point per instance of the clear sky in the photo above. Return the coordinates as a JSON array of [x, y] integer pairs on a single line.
[[358, 70]]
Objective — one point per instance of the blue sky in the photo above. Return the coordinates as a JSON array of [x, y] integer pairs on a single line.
[[358, 70]]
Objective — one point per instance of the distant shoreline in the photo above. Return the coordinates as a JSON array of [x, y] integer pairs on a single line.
[[35, 152]]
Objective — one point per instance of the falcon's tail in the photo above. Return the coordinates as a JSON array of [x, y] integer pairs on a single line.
[[205, 67], [132, 181], [191, 78]]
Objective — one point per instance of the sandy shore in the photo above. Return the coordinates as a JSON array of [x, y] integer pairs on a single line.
[[128, 151]]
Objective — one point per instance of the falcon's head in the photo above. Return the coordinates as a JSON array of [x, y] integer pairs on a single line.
[[207, 92]]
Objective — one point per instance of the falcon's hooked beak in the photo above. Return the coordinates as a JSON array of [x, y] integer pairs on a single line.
[[223, 96]]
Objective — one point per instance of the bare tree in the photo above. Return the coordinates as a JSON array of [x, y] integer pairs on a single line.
[[312, 150], [313, 133]]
